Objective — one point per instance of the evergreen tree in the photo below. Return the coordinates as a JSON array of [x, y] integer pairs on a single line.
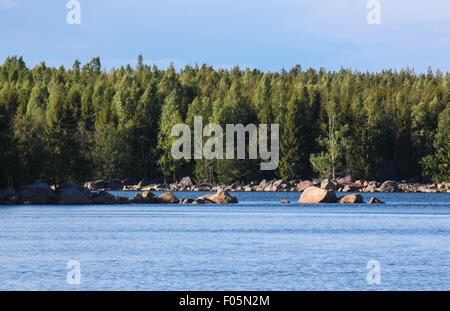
[[294, 161], [170, 116], [71, 125]]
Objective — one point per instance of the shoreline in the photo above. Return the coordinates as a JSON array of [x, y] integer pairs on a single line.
[[340, 185], [96, 192]]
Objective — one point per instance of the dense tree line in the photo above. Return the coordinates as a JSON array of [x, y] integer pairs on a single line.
[[61, 125]]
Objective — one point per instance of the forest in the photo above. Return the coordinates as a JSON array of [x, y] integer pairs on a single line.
[[72, 125]]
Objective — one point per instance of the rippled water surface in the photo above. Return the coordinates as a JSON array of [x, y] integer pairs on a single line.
[[258, 244]]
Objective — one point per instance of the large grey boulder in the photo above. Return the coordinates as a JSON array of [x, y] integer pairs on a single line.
[[39, 193], [6, 193], [389, 186], [73, 196], [317, 195], [186, 182]]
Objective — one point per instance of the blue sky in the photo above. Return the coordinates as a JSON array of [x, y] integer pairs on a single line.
[[263, 34]]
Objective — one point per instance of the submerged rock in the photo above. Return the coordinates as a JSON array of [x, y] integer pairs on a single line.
[[203, 201], [374, 200], [317, 195]]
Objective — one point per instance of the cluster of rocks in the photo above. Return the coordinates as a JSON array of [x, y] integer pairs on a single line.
[[42, 193], [314, 195], [345, 184], [221, 197], [68, 194]]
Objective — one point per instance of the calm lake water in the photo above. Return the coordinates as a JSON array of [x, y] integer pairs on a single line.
[[258, 244]]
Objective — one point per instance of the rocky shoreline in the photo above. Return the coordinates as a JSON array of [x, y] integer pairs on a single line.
[[69, 194], [95, 192], [340, 185]]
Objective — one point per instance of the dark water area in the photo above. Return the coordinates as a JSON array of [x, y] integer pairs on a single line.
[[258, 244]]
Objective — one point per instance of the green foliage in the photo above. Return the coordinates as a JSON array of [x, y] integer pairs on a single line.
[[71, 125], [170, 116], [294, 143], [334, 142], [436, 166]]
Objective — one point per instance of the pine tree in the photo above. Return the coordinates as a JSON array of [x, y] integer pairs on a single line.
[[294, 161], [262, 101], [170, 116], [64, 161]]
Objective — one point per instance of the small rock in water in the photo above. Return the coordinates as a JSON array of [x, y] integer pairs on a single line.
[[285, 201], [374, 200], [351, 199], [221, 197]]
